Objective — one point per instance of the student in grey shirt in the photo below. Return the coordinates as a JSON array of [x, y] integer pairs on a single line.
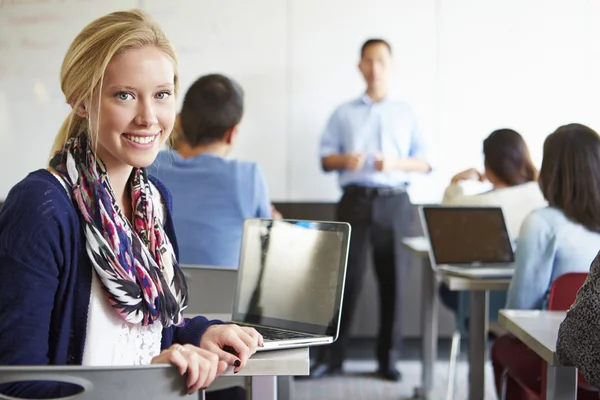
[[373, 143]]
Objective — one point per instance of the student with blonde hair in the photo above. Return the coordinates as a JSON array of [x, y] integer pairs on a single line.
[[88, 254]]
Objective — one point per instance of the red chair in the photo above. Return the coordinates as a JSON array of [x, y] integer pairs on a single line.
[[562, 295]]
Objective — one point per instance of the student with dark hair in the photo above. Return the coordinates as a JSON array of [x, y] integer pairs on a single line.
[[374, 144], [561, 238], [509, 169], [212, 195]]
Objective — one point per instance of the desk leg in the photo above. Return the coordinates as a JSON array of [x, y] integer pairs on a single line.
[[478, 330], [561, 383], [263, 388], [429, 327]]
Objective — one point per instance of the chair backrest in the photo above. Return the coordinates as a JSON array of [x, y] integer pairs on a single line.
[[150, 382], [564, 290], [210, 289]]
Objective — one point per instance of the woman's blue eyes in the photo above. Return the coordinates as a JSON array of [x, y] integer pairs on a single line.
[[123, 95], [128, 96]]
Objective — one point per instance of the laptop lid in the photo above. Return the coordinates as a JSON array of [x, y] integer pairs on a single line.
[[469, 236], [291, 275]]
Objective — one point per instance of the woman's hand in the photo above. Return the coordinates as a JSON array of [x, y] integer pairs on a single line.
[[201, 365], [242, 340], [470, 174]]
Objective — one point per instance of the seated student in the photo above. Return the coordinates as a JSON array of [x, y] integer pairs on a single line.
[[212, 195], [509, 169], [563, 237], [88, 256]]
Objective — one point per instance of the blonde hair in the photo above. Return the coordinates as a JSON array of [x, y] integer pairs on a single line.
[[90, 53]]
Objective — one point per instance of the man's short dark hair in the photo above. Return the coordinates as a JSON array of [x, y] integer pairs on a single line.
[[213, 105], [570, 174], [372, 42]]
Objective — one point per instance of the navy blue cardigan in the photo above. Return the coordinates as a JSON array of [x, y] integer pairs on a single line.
[[45, 282]]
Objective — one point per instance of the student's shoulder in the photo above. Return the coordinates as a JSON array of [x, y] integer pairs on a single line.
[[164, 159], [547, 219], [244, 167]]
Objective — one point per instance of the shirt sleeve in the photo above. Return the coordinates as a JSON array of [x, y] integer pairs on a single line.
[[262, 201], [331, 139], [453, 194], [536, 250], [418, 147]]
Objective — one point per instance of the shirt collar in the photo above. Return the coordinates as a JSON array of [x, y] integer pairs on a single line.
[[365, 99]]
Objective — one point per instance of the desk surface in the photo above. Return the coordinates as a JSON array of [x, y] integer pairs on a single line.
[[460, 283], [289, 362], [418, 245], [537, 329]]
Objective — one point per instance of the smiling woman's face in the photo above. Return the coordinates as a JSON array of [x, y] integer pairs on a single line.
[[137, 108]]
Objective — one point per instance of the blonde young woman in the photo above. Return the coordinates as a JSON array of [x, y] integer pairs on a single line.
[[88, 255]]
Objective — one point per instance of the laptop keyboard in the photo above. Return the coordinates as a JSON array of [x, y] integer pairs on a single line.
[[277, 334]]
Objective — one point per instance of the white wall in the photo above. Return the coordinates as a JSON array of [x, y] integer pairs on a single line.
[[466, 66]]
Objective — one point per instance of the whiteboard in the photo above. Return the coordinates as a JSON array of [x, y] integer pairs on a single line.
[[466, 67]]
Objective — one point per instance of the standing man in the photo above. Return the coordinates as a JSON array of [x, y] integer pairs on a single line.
[[373, 142]]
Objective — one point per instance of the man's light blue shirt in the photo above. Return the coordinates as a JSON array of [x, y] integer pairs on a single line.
[[387, 128], [212, 196]]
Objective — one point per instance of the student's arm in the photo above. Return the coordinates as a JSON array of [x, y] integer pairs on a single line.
[[536, 250], [261, 194], [32, 258], [578, 341], [453, 195]]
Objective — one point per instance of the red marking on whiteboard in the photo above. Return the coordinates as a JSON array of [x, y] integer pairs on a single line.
[[33, 44], [35, 19], [24, 2]]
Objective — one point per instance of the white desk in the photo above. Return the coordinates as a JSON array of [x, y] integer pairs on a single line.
[[539, 331], [478, 323], [263, 368]]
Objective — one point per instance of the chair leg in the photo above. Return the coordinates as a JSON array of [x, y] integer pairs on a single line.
[[504, 384], [454, 352]]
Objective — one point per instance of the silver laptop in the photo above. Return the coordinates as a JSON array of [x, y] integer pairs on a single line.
[[291, 281], [468, 241]]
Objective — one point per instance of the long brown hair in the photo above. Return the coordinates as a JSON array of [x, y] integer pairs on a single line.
[[570, 174]]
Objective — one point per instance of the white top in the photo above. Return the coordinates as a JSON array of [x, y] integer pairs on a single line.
[[516, 201], [109, 340]]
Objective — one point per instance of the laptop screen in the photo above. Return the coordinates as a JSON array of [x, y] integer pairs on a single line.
[[291, 274], [468, 235]]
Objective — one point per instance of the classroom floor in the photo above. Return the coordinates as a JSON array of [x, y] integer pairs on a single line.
[[360, 382]]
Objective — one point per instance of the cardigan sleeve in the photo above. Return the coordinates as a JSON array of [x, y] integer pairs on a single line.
[[578, 341], [32, 232]]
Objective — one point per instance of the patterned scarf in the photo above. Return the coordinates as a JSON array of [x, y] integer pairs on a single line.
[[137, 266]]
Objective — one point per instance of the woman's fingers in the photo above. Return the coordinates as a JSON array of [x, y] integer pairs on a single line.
[[256, 339], [200, 366]]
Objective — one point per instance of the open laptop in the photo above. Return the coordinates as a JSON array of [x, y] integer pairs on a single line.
[[468, 241], [291, 281]]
